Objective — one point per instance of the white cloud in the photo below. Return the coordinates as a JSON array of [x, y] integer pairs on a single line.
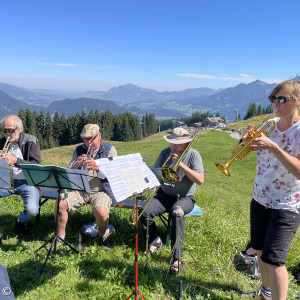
[[247, 78], [58, 64], [66, 65], [200, 76]]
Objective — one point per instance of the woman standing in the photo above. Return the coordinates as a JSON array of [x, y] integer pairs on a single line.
[[275, 207]]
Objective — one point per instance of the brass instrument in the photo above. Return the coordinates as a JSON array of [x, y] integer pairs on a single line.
[[7, 147], [89, 154], [169, 173], [241, 150], [130, 216]]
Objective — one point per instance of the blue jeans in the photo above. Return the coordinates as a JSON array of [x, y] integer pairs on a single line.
[[30, 196]]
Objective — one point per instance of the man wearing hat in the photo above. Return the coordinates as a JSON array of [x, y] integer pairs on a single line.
[[177, 199], [98, 198]]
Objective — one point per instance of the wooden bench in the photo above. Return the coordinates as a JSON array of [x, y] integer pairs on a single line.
[[52, 195]]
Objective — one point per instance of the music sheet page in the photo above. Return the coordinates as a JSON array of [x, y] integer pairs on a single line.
[[127, 175]]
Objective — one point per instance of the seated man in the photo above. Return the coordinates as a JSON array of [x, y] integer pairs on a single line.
[[178, 199], [23, 149], [98, 198]]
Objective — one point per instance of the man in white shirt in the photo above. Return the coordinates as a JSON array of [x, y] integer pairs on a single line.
[[23, 149]]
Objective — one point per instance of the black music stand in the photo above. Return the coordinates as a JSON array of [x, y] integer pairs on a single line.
[[58, 178]]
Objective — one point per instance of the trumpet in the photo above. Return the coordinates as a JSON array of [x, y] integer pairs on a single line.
[[7, 147], [170, 173], [89, 154], [242, 150]]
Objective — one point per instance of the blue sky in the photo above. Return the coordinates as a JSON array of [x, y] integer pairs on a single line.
[[159, 44]]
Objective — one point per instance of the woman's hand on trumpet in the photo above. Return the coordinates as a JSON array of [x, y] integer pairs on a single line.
[[261, 143]]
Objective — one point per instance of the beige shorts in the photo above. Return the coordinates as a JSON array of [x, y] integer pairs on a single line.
[[76, 199]]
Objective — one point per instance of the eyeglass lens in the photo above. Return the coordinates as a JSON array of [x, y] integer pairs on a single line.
[[280, 99], [8, 130]]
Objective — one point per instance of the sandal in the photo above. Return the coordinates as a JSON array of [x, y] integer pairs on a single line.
[[157, 245], [176, 267]]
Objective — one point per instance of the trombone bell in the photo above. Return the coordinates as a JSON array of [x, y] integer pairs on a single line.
[[170, 174]]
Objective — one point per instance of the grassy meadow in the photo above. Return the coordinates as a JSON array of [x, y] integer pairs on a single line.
[[210, 241]]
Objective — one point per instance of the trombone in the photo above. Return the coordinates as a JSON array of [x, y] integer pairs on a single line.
[[242, 150], [169, 175]]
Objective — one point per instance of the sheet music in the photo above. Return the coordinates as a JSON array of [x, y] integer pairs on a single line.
[[127, 175]]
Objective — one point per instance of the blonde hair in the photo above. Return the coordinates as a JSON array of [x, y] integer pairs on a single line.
[[291, 86]]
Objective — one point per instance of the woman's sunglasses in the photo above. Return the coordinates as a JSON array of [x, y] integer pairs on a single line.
[[280, 99]]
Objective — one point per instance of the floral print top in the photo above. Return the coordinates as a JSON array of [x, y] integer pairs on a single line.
[[274, 186]]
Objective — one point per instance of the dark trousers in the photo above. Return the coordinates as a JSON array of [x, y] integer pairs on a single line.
[[163, 203]]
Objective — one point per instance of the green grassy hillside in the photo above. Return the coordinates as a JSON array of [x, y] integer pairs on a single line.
[[211, 240]]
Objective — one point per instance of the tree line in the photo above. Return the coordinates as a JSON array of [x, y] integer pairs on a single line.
[[253, 111], [60, 130]]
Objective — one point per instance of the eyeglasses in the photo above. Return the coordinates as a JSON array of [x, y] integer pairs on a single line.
[[280, 99], [8, 130]]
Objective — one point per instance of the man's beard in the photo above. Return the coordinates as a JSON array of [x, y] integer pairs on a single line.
[[13, 138]]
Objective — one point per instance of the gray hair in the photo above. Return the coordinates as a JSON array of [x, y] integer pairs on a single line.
[[18, 122]]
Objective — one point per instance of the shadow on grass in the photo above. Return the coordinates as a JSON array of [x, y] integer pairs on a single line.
[[25, 276]]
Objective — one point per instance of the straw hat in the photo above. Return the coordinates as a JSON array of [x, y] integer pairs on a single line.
[[178, 136]]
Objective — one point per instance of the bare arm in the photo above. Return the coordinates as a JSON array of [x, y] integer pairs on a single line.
[[291, 163], [193, 175]]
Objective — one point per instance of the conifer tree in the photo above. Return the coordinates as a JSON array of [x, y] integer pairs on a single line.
[[30, 122], [107, 125], [57, 129], [49, 132], [23, 118]]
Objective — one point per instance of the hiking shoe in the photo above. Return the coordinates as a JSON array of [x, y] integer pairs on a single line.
[[105, 244], [21, 229], [255, 295]]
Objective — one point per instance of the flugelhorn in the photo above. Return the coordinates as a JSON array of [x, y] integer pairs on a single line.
[[242, 150], [170, 173]]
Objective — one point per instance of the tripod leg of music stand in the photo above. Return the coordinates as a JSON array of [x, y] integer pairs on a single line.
[[48, 241], [48, 254], [67, 243]]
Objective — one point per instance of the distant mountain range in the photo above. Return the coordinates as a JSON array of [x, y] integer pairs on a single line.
[[138, 100]]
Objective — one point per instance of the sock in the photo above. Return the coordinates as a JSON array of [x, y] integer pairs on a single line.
[[62, 236], [266, 292]]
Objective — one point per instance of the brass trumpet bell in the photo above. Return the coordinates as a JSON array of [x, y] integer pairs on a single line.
[[243, 148], [223, 168]]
